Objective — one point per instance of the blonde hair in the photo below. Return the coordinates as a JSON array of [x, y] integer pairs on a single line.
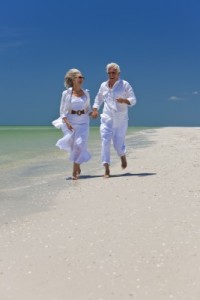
[[114, 66], [69, 77]]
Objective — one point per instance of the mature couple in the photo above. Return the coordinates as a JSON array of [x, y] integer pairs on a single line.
[[75, 111]]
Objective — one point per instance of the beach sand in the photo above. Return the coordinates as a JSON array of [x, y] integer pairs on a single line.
[[135, 235]]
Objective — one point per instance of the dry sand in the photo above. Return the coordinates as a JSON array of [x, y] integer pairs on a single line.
[[135, 235]]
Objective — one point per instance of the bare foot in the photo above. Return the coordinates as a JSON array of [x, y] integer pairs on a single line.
[[76, 171], [107, 171], [124, 162], [106, 176], [74, 176]]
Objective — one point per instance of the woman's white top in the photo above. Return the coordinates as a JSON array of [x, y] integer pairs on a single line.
[[70, 102]]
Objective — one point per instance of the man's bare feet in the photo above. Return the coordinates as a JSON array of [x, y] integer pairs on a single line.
[[124, 162], [107, 171]]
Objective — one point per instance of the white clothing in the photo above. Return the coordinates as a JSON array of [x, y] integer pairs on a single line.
[[65, 106], [121, 89], [114, 118], [74, 142]]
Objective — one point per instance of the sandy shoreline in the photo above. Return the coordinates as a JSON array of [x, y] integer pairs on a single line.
[[135, 235]]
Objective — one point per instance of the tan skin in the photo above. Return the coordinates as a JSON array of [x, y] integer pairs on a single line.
[[78, 92], [113, 76]]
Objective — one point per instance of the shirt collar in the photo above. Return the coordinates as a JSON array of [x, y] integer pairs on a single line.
[[115, 84]]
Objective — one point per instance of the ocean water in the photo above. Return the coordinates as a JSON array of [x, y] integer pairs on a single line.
[[33, 169]]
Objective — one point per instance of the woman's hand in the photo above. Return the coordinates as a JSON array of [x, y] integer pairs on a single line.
[[69, 126]]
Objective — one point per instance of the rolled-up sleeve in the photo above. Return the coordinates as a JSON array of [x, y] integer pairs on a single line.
[[63, 105], [99, 98], [130, 95], [88, 105]]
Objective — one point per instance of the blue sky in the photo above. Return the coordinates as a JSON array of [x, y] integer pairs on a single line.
[[156, 43]]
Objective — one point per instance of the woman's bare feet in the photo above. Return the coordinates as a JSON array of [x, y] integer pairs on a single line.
[[124, 162], [107, 171], [74, 176], [76, 171], [79, 172]]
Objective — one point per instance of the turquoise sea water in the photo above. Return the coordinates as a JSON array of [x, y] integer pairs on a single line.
[[33, 169]]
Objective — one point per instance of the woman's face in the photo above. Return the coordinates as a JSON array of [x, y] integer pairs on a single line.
[[78, 79]]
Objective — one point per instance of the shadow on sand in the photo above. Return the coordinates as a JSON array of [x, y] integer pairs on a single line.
[[114, 176]]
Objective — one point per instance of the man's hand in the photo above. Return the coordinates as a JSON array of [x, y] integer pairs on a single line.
[[95, 113], [122, 100]]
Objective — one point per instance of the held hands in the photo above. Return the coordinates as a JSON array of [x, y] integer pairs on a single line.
[[94, 114]]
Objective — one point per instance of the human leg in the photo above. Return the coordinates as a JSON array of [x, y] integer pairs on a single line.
[[107, 171], [123, 162], [119, 134], [106, 135], [76, 171], [80, 152]]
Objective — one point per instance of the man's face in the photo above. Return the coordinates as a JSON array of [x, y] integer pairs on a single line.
[[113, 74]]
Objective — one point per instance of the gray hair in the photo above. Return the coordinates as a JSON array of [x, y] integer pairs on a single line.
[[69, 77], [114, 66]]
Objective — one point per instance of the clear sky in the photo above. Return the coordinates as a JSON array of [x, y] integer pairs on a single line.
[[156, 43]]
